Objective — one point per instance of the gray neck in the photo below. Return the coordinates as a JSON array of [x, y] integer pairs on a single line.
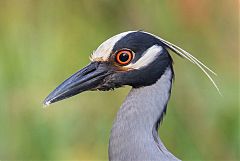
[[134, 134]]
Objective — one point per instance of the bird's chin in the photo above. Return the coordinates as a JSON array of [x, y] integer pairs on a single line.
[[108, 86]]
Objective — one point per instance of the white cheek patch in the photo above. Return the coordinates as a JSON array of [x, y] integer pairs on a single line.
[[103, 52], [148, 57]]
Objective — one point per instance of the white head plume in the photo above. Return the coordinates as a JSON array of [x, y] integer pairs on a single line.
[[190, 57]]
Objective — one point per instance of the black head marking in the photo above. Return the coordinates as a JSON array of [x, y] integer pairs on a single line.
[[147, 75], [139, 42]]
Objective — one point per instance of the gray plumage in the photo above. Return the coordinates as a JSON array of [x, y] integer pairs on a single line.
[[134, 135]]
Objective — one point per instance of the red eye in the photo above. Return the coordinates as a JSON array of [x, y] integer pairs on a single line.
[[123, 57]]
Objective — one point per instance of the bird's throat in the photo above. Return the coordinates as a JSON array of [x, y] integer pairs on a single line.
[[134, 134]]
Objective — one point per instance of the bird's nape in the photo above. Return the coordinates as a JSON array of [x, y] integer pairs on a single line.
[[182, 53]]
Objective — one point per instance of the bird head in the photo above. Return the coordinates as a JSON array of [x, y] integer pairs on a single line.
[[134, 58]]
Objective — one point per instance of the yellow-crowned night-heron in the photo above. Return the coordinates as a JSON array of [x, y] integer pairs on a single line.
[[141, 60]]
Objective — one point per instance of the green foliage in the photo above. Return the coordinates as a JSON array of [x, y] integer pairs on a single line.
[[43, 42]]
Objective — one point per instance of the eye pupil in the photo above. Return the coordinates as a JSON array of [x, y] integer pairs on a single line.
[[124, 57]]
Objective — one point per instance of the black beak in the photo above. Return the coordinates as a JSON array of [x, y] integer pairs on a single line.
[[88, 78]]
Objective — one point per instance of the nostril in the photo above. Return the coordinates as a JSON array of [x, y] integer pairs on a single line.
[[87, 71]]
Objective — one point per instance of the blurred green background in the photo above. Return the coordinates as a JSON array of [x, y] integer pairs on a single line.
[[42, 42]]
